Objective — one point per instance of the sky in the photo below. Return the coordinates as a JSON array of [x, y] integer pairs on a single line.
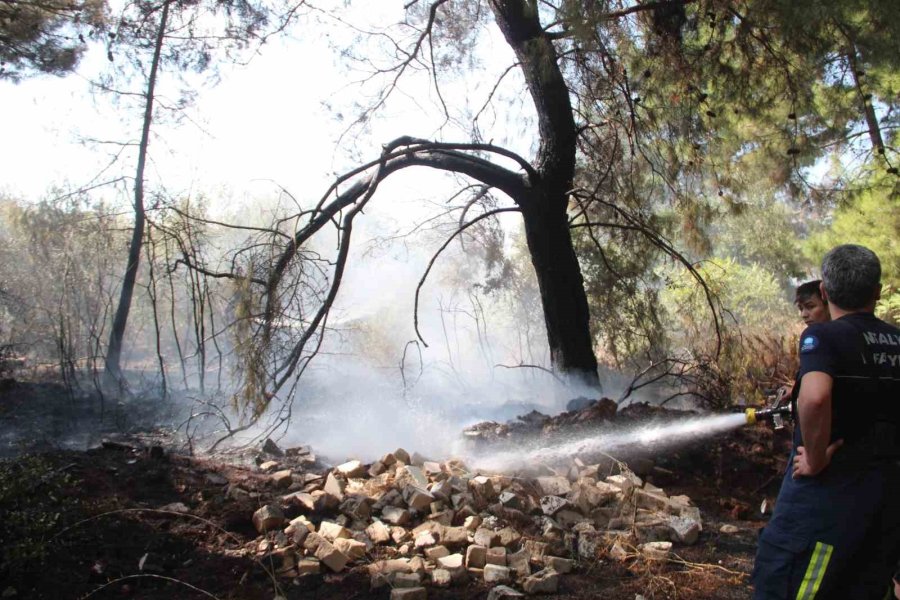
[[260, 123]]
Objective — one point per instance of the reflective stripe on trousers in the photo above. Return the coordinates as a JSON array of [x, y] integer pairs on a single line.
[[815, 571]]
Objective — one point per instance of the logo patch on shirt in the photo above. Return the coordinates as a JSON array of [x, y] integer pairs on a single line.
[[809, 343]]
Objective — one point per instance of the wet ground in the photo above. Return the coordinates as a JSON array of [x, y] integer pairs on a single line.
[[99, 524]]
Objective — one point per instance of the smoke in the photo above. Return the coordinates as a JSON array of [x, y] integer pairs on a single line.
[[375, 387]]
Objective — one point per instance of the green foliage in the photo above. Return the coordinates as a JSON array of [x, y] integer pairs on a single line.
[[765, 233], [871, 218], [57, 269], [752, 297], [33, 500], [47, 36]]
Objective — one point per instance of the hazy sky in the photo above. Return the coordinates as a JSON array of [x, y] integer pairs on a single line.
[[265, 121]]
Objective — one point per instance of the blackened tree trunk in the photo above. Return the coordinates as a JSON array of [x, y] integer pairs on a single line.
[[120, 321], [559, 276], [562, 290]]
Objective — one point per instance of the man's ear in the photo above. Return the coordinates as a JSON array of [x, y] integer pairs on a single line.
[[823, 293], [878, 292]]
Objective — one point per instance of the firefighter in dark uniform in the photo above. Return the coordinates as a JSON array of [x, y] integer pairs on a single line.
[[835, 532]]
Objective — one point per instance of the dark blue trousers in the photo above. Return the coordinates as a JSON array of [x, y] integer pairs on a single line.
[[833, 536]]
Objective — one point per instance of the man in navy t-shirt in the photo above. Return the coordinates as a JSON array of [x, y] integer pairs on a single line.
[[835, 532]]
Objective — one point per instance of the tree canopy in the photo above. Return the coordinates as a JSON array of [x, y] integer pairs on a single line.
[[46, 36]]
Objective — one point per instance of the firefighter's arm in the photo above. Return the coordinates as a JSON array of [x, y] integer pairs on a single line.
[[814, 408]]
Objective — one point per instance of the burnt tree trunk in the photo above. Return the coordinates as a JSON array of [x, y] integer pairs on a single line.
[[544, 206], [113, 373], [562, 290]]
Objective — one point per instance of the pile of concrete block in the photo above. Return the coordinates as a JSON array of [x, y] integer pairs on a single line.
[[412, 523]]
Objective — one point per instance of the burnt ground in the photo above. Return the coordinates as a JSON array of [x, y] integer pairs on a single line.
[[99, 524]]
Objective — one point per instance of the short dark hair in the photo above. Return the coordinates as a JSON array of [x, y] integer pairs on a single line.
[[808, 290], [852, 276]]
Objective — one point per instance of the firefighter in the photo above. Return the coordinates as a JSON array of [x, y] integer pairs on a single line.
[[835, 532], [812, 306]]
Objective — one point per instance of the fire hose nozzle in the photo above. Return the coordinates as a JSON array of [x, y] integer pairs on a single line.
[[750, 413], [772, 414]]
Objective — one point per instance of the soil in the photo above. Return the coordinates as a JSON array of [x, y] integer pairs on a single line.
[[102, 524]]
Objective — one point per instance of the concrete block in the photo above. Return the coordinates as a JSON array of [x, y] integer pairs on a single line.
[[550, 505], [416, 593], [441, 578], [332, 531], [324, 502], [399, 535], [472, 522], [568, 519], [684, 530], [545, 581], [308, 566], [650, 500], [590, 543], [331, 557], [454, 564], [508, 537], [268, 466], [518, 563], [554, 486], [622, 482], [560, 565], [425, 539], [442, 490], [396, 516], [536, 550], [268, 518], [357, 507], [352, 549], [417, 565], [402, 456], [281, 479], [335, 485], [378, 532], [431, 468], [496, 574], [412, 475], [417, 498], [656, 550], [351, 469], [435, 553], [476, 556], [502, 592], [453, 537], [377, 468], [486, 537], [496, 556]]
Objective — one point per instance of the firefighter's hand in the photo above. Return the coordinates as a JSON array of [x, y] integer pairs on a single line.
[[802, 467]]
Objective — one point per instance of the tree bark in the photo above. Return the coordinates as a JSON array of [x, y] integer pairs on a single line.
[[563, 298], [113, 374], [561, 284]]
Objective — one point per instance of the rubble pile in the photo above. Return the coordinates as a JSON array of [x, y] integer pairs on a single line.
[[412, 523]]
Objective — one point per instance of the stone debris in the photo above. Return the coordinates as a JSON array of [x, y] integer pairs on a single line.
[[656, 550], [496, 574], [542, 582], [412, 522], [441, 578], [268, 517], [504, 591]]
